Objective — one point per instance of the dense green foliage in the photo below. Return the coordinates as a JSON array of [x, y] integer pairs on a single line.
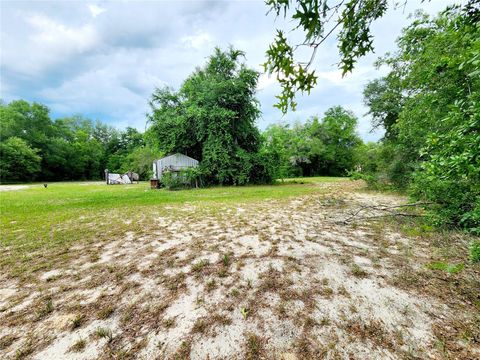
[[212, 119], [432, 144], [33, 147], [475, 251], [18, 160], [325, 147]]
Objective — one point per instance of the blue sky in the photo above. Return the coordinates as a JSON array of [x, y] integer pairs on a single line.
[[103, 59]]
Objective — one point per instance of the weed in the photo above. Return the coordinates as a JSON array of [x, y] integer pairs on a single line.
[[199, 326], [222, 273], [26, 349], [282, 310], [324, 321], [235, 292], [244, 311], [343, 291], [183, 351], [309, 322]]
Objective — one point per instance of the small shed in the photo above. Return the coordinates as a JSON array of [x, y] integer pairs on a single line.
[[175, 162]]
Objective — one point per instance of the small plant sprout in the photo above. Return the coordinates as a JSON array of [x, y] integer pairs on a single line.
[[244, 311], [226, 260]]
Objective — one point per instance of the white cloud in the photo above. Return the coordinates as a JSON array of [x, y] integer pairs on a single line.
[[198, 41], [95, 10], [265, 81], [52, 35]]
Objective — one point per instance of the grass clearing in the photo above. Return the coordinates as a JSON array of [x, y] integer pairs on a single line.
[[229, 272]]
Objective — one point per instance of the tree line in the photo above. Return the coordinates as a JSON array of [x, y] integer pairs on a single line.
[[33, 147]]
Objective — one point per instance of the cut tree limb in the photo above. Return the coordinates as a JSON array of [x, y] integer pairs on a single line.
[[385, 208]]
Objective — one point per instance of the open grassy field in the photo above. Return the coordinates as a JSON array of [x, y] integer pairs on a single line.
[[261, 272]]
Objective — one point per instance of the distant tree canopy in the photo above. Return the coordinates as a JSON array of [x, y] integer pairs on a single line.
[[33, 147], [212, 119], [429, 103], [318, 147]]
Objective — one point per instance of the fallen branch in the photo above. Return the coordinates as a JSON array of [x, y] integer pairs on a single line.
[[385, 208]]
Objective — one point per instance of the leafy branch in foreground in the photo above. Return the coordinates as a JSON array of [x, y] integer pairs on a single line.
[[319, 19]]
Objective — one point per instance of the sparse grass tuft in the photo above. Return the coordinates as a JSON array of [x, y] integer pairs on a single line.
[[45, 309], [106, 312], [358, 272], [77, 321], [226, 260], [7, 340], [104, 333], [253, 347], [78, 346], [169, 322], [25, 350], [197, 267]]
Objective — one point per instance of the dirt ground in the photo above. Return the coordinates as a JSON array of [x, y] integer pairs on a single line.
[[277, 279]]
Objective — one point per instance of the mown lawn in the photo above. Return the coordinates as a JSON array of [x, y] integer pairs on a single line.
[[38, 224]]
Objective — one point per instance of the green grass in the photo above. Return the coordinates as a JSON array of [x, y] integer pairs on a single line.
[[38, 225], [451, 269]]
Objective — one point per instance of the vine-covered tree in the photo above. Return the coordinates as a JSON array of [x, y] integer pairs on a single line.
[[212, 119]]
